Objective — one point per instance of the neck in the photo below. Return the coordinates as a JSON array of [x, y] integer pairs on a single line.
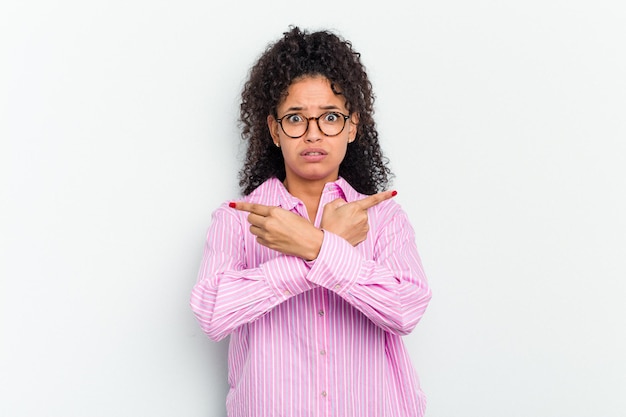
[[309, 192]]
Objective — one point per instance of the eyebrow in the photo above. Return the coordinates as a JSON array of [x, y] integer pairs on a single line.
[[299, 108]]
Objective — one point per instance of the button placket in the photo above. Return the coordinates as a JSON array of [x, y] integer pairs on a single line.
[[322, 348]]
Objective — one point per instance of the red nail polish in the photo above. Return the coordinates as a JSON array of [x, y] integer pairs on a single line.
[[394, 193], [232, 205]]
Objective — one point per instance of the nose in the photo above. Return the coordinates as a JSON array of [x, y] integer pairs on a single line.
[[313, 133]]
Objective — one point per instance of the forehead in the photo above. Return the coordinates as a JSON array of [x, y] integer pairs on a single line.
[[312, 92]]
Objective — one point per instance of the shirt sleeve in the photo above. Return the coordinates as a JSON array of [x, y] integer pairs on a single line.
[[391, 289], [227, 293]]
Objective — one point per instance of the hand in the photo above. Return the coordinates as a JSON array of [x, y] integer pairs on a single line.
[[349, 220], [282, 230]]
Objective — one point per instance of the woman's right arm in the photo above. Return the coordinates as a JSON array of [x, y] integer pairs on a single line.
[[227, 293]]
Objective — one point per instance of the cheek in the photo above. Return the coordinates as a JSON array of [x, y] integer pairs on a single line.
[[341, 153]]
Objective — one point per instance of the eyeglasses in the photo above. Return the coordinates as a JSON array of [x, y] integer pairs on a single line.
[[295, 125]]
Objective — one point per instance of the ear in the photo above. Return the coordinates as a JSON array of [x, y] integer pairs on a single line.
[[354, 127], [272, 125]]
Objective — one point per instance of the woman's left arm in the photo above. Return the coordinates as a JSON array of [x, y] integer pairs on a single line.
[[388, 285]]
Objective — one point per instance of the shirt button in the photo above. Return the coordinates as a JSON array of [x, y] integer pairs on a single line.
[[322, 352], [338, 286], [324, 394], [321, 313], [286, 292]]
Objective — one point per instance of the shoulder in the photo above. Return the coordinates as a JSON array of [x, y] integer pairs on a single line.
[[386, 211], [268, 193]]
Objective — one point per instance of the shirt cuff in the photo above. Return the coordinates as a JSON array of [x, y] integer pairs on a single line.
[[286, 276], [337, 266]]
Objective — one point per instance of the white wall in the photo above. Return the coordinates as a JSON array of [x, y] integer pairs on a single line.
[[504, 122]]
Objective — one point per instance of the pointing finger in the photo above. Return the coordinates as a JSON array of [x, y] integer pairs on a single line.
[[259, 209], [372, 200]]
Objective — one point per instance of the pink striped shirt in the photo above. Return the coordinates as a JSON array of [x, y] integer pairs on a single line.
[[318, 338]]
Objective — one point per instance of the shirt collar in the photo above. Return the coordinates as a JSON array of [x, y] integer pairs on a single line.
[[349, 193], [273, 192]]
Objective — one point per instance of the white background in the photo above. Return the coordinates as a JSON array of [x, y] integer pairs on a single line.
[[505, 122]]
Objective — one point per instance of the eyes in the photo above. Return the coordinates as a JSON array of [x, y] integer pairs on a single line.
[[294, 118], [331, 117], [295, 125], [328, 117]]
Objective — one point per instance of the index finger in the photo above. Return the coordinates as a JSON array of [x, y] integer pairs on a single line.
[[255, 208], [374, 199]]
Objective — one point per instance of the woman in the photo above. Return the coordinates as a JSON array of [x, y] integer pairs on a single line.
[[315, 274]]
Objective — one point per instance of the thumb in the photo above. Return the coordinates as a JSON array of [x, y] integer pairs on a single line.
[[336, 203]]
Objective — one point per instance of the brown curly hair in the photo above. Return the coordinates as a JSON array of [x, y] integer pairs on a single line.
[[298, 54]]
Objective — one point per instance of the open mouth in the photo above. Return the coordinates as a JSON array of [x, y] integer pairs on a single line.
[[313, 152]]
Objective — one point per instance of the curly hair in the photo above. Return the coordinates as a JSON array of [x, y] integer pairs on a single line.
[[298, 54]]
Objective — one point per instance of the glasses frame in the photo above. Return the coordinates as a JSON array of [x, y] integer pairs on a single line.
[[317, 120]]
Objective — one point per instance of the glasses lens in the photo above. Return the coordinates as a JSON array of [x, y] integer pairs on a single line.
[[294, 125], [331, 123]]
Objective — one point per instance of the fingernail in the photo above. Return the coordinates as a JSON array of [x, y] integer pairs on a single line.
[[232, 205], [394, 193]]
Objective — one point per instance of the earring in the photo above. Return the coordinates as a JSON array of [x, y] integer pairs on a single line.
[[277, 144]]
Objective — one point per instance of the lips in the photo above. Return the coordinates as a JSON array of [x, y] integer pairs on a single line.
[[313, 154]]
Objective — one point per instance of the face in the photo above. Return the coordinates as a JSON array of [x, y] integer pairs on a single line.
[[313, 157]]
